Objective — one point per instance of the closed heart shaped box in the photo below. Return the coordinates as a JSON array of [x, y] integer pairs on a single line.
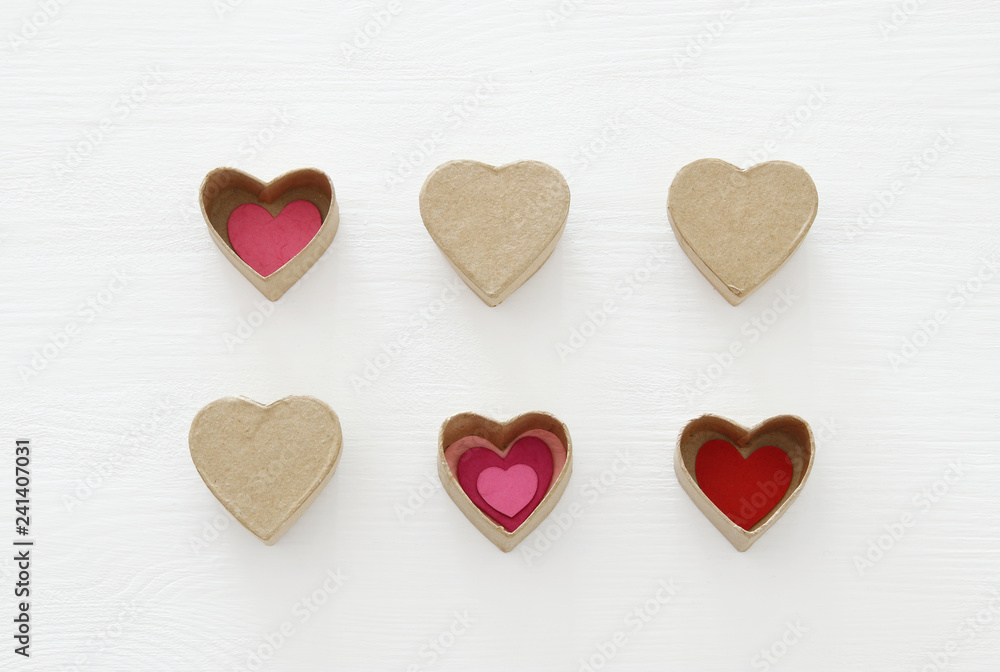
[[266, 464], [496, 225], [740, 226]]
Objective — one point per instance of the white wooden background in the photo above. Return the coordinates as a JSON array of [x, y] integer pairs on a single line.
[[112, 112]]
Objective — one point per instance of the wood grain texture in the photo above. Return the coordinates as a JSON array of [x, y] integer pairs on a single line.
[[113, 114]]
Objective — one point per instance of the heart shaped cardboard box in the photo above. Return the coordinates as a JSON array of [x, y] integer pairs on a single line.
[[225, 189], [496, 226], [789, 433], [501, 436], [740, 226], [266, 464]]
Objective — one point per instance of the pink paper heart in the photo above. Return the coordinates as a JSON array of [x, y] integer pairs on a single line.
[[267, 243], [508, 490]]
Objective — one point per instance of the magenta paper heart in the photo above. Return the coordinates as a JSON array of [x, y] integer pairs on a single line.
[[508, 490], [509, 487], [267, 243]]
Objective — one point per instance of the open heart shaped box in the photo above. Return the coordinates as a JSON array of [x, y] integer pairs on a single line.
[[788, 432], [501, 434], [225, 189]]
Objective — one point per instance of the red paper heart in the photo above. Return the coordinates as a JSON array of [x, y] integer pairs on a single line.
[[530, 451], [744, 489], [267, 243]]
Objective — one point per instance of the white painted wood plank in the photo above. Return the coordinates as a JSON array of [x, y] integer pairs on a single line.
[[617, 95]]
